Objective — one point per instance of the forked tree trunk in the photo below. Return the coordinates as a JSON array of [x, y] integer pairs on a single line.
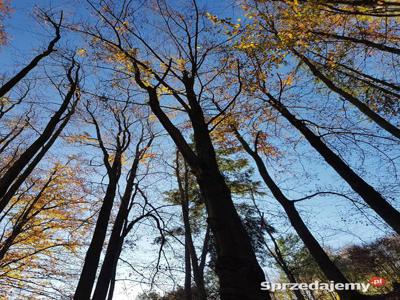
[[112, 252], [88, 275], [317, 252], [109, 266], [48, 136], [197, 274], [239, 273], [189, 245]]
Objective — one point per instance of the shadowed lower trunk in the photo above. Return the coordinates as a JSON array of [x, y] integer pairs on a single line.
[[112, 283], [111, 256], [188, 272], [113, 250], [114, 270], [189, 245], [92, 258], [108, 268], [197, 274], [239, 273]]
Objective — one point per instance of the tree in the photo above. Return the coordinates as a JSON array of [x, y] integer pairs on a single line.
[[13, 81], [21, 167], [124, 142], [359, 262], [324, 262], [122, 226], [233, 244], [258, 88], [4, 11], [185, 195], [44, 225], [237, 174], [376, 258], [208, 148], [358, 7], [314, 38]]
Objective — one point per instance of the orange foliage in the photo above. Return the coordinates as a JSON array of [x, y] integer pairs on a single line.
[[45, 224]]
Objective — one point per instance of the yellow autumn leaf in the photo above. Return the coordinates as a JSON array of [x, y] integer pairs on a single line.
[[81, 52], [288, 81], [181, 64]]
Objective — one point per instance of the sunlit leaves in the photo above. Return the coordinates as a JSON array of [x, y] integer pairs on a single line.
[[45, 223], [82, 52]]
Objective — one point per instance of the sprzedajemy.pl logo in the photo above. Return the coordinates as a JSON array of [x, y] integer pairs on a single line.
[[330, 286]]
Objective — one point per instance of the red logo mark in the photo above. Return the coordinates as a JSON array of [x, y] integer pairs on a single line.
[[377, 281]]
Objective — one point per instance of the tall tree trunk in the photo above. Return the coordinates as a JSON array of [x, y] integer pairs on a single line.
[[317, 252], [362, 107], [16, 168], [112, 252], [188, 272], [184, 199], [92, 258], [107, 268], [239, 273], [110, 263], [197, 274], [204, 250], [33, 63], [237, 267], [364, 42], [373, 198], [114, 271], [116, 239], [112, 285]]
